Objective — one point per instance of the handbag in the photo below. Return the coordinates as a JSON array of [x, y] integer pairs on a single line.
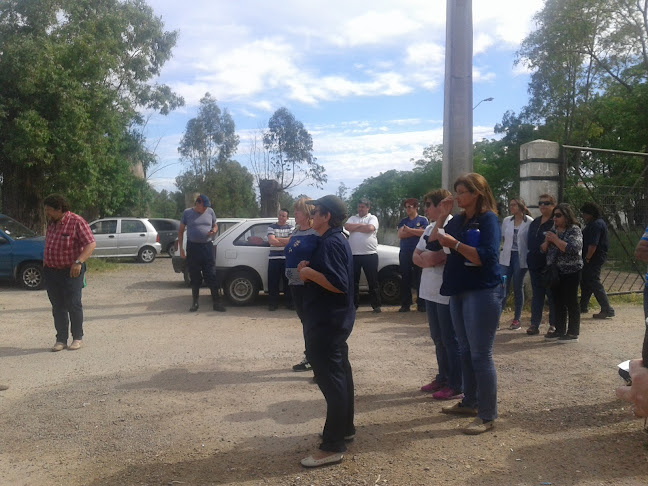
[[550, 276]]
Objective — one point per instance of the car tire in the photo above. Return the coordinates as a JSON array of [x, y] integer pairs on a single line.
[[241, 287], [171, 249], [31, 276], [389, 286], [146, 255]]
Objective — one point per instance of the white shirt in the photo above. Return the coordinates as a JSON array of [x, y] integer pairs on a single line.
[[508, 231], [432, 277], [363, 243]]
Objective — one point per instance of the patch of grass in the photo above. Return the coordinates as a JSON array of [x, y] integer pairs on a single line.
[[106, 265]]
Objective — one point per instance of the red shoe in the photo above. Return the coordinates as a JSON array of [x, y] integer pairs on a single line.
[[447, 393], [433, 387]]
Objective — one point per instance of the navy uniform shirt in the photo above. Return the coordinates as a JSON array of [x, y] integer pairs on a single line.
[[536, 259], [420, 222], [596, 233], [323, 308], [458, 277]]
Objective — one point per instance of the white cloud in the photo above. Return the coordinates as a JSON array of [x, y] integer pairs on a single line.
[[375, 28]]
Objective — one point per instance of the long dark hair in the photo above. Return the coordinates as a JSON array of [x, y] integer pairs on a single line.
[[568, 214]]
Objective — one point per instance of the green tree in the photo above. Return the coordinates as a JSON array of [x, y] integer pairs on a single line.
[[73, 75], [209, 139], [285, 161]]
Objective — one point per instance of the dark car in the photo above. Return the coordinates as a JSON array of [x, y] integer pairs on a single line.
[[168, 231], [21, 254]]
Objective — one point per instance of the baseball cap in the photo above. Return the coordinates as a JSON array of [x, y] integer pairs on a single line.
[[333, 204], [204, 200]]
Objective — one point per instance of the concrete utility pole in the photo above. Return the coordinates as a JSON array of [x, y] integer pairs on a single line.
[[457, 107]]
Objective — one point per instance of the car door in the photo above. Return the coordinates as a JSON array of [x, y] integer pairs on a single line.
[[132, 235], [250, 247], [6, 264], [105, 234]]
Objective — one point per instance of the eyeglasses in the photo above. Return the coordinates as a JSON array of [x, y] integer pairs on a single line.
[[544, 203], [557, 215], [462, 193], [428, 204]]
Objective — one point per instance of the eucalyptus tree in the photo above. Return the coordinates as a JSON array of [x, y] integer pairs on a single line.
[[74, 77]]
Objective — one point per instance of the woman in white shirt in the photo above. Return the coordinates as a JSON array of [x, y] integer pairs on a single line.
[[513, 255]]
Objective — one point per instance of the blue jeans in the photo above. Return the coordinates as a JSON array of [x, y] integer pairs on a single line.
[[538, 299], [64, 293], [515, 275], [446, 344], [475, 315]]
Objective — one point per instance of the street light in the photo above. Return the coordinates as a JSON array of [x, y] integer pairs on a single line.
[[485, 99]]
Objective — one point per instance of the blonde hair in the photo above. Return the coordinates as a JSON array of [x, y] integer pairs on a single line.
[[300, 205]]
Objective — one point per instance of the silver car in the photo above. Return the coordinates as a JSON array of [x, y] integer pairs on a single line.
[[126, 237]]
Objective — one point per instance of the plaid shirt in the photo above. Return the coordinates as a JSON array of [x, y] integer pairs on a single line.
[[65, 240]]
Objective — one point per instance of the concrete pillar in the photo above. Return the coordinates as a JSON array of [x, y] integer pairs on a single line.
[[457, 106], [539, 172]]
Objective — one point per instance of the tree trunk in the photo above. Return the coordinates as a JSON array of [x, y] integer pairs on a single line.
[[269, 190]]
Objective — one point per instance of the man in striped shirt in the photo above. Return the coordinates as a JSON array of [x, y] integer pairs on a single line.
[[68, 244], [278, 237]]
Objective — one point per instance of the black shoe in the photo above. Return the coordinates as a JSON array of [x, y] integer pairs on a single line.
[[377, 310], [552, 336], [194, 306], [421, 309], [584, 311], [532, 331], [568, 338], [604, 315], [218, 307], [304, 365], [273, 307], [404, 309], [290, 307]]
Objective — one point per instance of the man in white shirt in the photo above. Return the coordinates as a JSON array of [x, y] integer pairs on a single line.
[[362, 230]]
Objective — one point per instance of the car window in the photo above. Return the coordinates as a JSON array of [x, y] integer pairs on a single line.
[[132, 226], [223, 227], [104, 227], [14, 229], [256, 235]]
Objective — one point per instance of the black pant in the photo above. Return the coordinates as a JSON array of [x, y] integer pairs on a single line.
[[277, 274], [565, 298], [591, 284], [201, 265], [410, 278], [64, 293], [328, 354], [368, 263]]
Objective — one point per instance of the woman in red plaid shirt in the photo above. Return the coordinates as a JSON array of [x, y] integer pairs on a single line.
[[68, 244]]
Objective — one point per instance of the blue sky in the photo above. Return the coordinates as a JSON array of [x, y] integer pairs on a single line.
[[364, 77]]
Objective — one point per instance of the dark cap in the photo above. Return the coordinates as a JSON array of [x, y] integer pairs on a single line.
[[333, 205], [204, 200]]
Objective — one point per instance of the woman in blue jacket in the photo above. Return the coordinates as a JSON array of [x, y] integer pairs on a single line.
[[472, 279]]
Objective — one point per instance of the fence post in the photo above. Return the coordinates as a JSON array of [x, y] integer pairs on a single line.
[[539, 172]]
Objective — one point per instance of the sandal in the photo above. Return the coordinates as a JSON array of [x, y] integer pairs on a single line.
[[532, 330]]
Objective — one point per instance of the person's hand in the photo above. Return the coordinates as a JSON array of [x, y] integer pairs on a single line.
[[637, 394], [445, 208], [447, 240], [182, 253], [551, 237], [302, 264], [75, 270]]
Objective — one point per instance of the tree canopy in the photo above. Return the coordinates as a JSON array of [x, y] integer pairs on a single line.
[[74, 75]]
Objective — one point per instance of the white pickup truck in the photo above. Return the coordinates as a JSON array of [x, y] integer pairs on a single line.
[[241, 249]]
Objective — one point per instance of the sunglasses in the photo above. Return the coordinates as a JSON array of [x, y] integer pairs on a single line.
[[544, 203], [557, 215]]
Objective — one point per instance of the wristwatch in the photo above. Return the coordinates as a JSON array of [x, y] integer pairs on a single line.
[[78, 262]]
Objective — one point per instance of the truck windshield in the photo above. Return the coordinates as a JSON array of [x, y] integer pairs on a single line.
[[14, 229]]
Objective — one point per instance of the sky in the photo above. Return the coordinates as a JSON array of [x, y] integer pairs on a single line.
[[364, 77]]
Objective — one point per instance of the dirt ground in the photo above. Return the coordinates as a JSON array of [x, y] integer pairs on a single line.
[[159, 396]]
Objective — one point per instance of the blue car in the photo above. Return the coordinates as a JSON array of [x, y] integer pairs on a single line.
[[21, 254]]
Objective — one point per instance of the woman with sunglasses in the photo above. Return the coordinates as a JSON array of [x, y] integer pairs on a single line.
[[563, 247], [513, 255], [472, 278]]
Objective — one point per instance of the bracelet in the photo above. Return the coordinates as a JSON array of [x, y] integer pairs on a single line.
[[457, 245]]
